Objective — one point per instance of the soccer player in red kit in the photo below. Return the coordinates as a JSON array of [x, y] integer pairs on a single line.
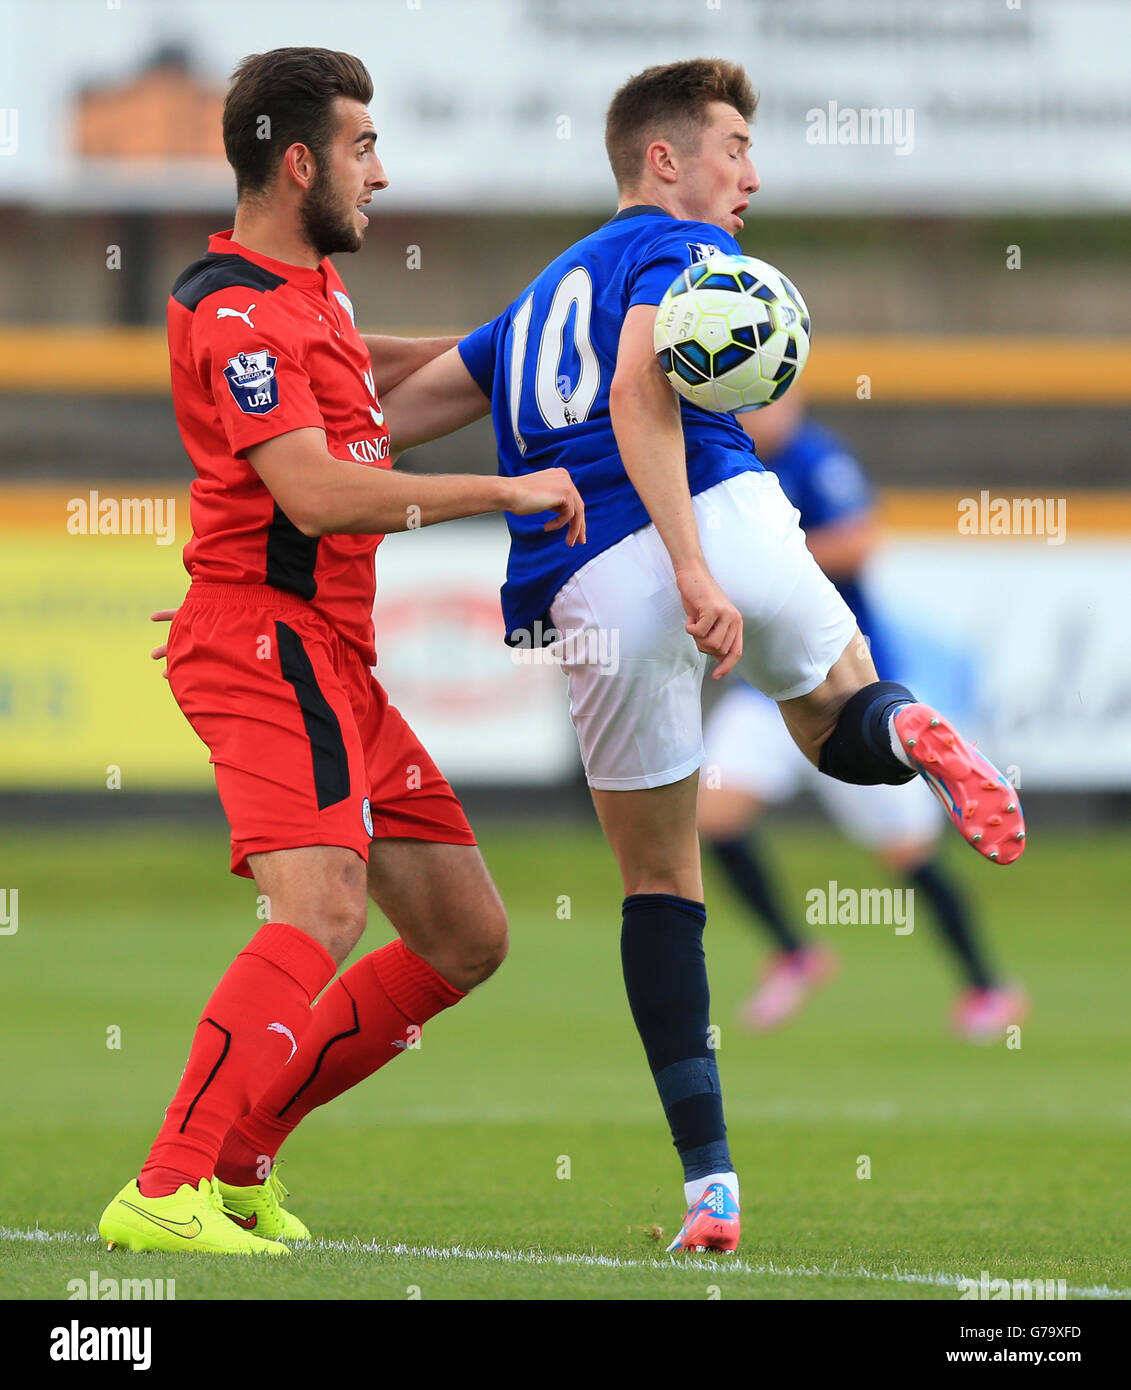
[[328, 793]]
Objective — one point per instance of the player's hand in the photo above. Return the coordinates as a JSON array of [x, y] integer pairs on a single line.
[[550, 490], [714, 622], [163, 615]]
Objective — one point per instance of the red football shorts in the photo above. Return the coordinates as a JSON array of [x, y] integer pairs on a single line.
[[307, 748]]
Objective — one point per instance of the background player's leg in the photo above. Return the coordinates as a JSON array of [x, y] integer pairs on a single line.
[[949, 906], [901, 826], [259, 1012], [988, 1004], [653, 835], [727, 819], [452, 935]]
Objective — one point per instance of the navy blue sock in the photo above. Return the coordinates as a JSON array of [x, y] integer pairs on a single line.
[[665, 974], [745, 867], [954, 922], [859, 749]]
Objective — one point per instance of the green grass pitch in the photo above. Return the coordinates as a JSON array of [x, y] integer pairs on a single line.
[[443, 1175]]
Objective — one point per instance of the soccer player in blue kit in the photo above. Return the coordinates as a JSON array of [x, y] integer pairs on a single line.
[[689, 540]]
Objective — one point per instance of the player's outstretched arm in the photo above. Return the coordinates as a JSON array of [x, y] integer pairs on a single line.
[[646, 422], [324, 495], [394, 359], [436, 399]]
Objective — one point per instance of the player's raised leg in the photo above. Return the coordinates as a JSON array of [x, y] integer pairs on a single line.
[[652, 833], [866, 731], [805, 651]]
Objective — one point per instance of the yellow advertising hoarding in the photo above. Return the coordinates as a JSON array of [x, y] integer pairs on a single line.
[[82, 705]]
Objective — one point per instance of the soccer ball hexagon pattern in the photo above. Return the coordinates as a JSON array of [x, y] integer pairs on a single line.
[[732, 333]]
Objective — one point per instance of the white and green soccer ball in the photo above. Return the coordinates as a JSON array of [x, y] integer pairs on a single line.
[[732, 333]]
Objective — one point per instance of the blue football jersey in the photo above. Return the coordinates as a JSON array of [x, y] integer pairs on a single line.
[[547, 363], [826, 483]]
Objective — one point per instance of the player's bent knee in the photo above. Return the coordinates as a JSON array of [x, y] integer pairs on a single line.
[[490, 961], [478, 954], [859, 750], [336, 925], [493, 945], [341, 927]]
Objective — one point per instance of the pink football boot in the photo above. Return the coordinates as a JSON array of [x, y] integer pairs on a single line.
[[983, 1015], [981, 804], [790, 978], [711, 1224]]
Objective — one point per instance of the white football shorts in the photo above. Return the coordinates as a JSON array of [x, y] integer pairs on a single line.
[[635, 675], [749, 749]]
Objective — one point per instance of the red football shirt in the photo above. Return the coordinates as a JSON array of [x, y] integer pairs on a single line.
[[258, 348]]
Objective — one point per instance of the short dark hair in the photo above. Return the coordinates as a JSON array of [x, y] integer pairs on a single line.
[[670, 101], [294, 88]]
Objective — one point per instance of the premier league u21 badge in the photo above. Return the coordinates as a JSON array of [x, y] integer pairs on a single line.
[[252, 381], [367, 816]]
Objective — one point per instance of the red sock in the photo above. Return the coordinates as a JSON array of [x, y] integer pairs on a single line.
[[239, 1044], [357, 1026]]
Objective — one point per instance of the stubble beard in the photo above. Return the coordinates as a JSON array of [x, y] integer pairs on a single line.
[[326, 226]]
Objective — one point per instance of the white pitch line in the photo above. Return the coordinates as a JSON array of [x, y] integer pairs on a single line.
[[487, 1255]]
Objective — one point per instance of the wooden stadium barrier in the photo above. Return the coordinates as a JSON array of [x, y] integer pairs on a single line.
[[890, 370], [1088, 512], [42, 507]]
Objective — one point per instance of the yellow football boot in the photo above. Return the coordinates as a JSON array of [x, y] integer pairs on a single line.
[[187, 1220], [260, 1209]]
